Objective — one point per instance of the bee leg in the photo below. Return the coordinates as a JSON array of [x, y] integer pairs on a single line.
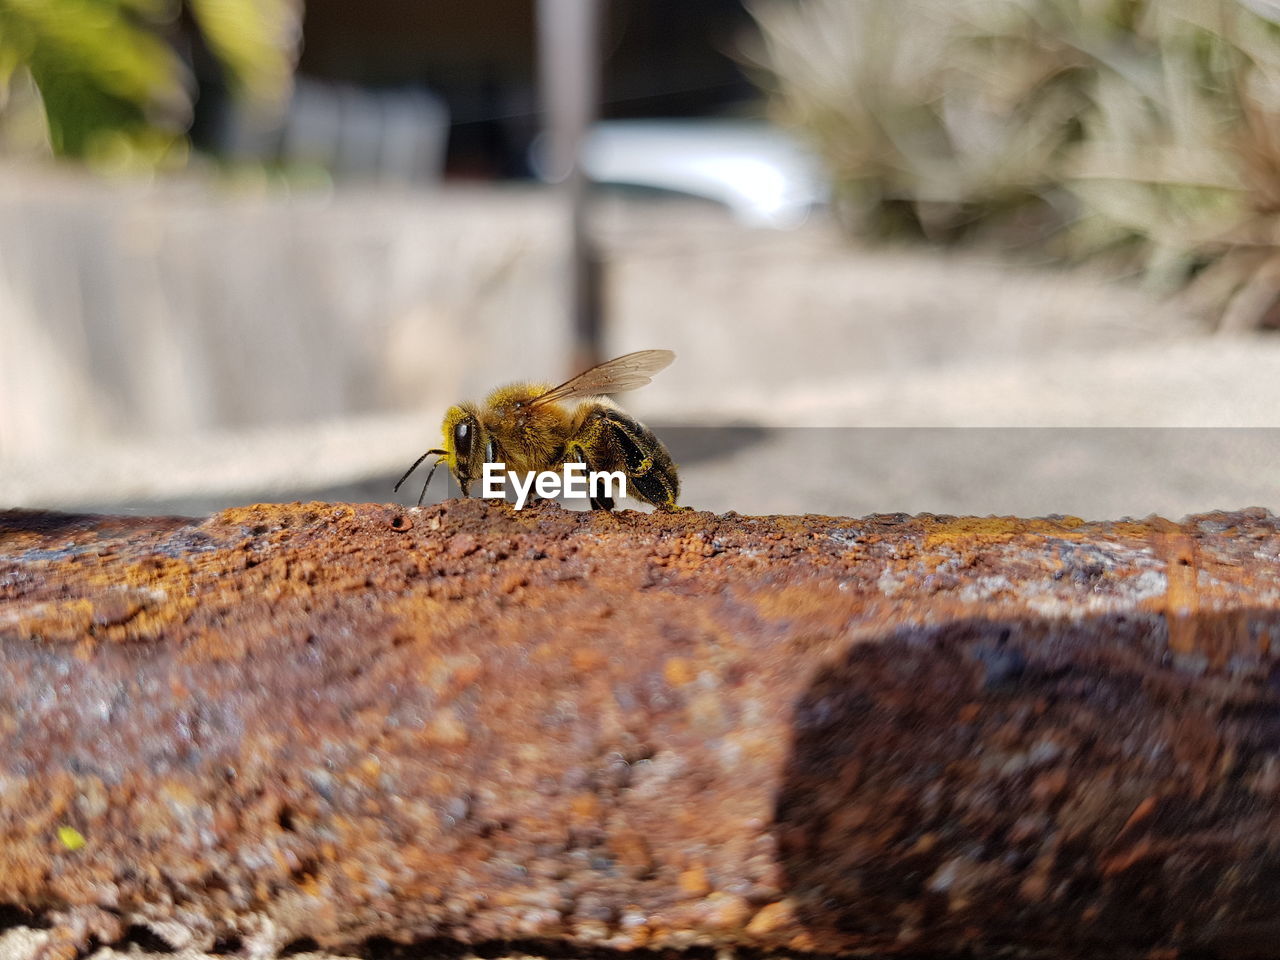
[[577, 453], [651, 476]]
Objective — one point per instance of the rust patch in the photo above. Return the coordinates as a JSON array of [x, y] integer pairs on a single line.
[[882, 734]]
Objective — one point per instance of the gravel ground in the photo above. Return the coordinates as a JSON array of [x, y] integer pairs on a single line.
[[1090, 473], [1174, 429]]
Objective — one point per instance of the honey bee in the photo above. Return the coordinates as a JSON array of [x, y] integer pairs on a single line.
[[535, 427]]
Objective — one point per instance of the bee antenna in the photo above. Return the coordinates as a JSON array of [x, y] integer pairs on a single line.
[[430, 474], [396, 488]]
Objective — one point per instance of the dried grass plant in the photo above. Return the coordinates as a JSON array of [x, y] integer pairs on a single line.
[[1145, 130]]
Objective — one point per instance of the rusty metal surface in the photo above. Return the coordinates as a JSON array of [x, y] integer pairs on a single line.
[[892, 734]]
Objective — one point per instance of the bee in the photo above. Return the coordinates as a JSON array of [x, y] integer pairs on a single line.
[[535, 426]]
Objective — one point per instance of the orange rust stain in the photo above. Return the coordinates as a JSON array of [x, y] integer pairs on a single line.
[[585, 807], [1182, 597], [1129, 858], [771, 917], [1140, 813], [807, 603], [446, 729], [68, 620], [588, 659], [694, 881], [721, 911], [631, 850], [997, 529], [678, 671]]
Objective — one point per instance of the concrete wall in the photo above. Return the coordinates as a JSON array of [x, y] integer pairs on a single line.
[[136, 310]]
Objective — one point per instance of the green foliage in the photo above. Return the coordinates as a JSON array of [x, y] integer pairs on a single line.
[[255, 40], [112, 87], [1144, 128]]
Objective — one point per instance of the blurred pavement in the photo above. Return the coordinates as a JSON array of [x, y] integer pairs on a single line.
[[1118, 435]]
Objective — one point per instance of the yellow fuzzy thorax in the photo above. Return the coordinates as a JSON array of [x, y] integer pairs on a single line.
[[514, 393], [531, 438]]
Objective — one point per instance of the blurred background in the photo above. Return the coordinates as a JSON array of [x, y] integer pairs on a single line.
[[961, 256]]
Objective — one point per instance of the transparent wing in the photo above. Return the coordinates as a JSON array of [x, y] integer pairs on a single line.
[[614, 376]]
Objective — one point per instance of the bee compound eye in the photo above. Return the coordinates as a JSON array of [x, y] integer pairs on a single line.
[[491, 451], [462, 439]]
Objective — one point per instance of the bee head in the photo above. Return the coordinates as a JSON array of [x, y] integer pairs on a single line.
[[464, 445]]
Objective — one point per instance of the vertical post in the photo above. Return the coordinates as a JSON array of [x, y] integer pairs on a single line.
[[569, 77]]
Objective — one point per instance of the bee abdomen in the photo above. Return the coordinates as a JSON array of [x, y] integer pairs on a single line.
[[609, 439]]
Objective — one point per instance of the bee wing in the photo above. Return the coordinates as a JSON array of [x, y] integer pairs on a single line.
[[614, 376]]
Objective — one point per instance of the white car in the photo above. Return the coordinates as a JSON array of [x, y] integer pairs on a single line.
[[758, 171]]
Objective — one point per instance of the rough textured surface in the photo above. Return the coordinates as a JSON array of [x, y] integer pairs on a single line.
[[333, 723]]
